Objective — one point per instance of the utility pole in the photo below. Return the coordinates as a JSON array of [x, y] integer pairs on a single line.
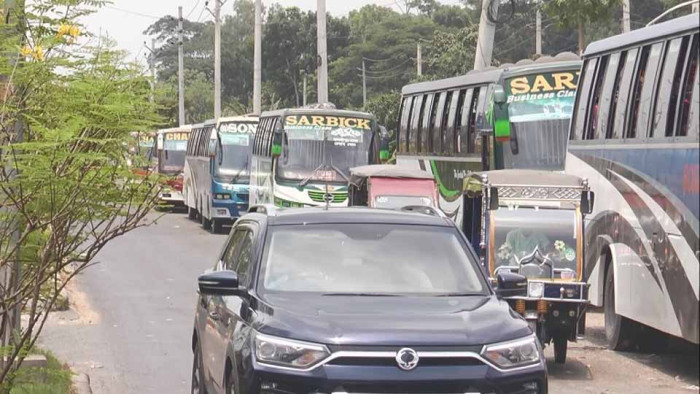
[[217, 59], [487, 31], [180, 70], [364, 84], [152, 66], [625, 16], [257, 63], [304, 90], [538, 31], [322, 52], [696, 7], [419, 60]]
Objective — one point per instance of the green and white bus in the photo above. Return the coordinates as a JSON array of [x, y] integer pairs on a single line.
[[302, 157], [446, 127]]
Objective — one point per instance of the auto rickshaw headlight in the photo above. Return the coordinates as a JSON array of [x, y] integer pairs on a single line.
[[514, 353], [535, 289]]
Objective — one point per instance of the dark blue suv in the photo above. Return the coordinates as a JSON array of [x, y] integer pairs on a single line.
[[357, 301]]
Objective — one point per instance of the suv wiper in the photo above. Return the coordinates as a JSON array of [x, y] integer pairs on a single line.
[[363, 294]]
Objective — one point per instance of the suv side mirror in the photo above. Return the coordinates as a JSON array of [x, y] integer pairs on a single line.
[[219, 283], [511, 285], [587, 200]]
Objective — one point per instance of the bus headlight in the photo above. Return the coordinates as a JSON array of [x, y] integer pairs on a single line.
[[287, 352], [222, 196], [514, 353], [535, 289]]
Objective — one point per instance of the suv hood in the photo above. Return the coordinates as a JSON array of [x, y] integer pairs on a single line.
[[389, 321]]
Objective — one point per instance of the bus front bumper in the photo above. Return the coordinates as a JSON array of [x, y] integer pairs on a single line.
[[228, 209]]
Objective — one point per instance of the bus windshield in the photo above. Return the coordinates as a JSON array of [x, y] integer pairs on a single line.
[[172, 159], [236, 150], [323, 148], [540, 108]]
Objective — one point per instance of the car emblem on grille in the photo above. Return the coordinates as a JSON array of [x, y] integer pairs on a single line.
[[407, 359]]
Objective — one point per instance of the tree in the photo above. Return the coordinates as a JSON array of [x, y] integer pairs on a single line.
[[66, 187], [578, 13]]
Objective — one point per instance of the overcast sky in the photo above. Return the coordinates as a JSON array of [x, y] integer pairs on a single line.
[[125, 20]]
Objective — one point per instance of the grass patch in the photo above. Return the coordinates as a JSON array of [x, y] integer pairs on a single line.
[[54, 379]]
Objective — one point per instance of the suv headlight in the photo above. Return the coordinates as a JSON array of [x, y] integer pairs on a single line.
[[287, 352], [514, 353]]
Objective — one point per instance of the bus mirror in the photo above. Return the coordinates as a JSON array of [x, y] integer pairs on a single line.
[[277, 143], [587, 201], [493, 199], [383, 144], [501, 122]]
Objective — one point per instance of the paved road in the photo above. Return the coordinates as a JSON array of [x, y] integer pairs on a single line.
[[131, 323]]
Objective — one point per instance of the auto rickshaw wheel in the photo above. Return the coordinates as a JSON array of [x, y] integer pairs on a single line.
[[619, 331], [561, 343]]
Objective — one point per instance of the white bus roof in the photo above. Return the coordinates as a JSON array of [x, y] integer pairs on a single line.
[[182, 129]]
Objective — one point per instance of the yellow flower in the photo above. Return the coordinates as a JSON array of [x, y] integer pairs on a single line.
[[63, 30], [26, 51], [74, 31], [39, 53]]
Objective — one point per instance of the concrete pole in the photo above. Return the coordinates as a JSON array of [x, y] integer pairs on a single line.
[[487, 31], [152, 64], [322, 51], [257, 63], [364, 84], [419, 60], [217, 59], [304, 90], [625, 16], [538, 32], [180, 70]]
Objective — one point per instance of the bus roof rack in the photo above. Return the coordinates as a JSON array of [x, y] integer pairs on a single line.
[[424, 209], [264, 209]]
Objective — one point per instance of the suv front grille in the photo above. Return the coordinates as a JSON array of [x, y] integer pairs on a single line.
[[317, 196], [391, 362]]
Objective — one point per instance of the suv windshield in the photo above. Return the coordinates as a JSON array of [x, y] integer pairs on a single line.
[[315, 147], [539, 108], [518, 232], [381, 259]]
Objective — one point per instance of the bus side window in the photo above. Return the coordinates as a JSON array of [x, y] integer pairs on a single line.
[[267, 130], [669, 82], [436, 122], [592, 124], [606, 95], [423, 137], [623, 95], [465, 114], [274, 124], [448, 123], [646, 102], [582, 98], [416, 116], [402, 141], [689, 94], [471, 122], [460, 129]]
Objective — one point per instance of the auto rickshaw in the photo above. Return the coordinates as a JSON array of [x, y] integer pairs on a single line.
[[530, 223], [391, 187]]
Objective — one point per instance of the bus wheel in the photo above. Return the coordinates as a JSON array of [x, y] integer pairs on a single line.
[[216, 226], [619, 331], [206, 223], [560, 346], [191, 213]]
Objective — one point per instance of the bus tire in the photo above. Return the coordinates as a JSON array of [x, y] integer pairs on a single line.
[[216, 226], [191, 213], [619, 330], [206, 223], [561, 343]]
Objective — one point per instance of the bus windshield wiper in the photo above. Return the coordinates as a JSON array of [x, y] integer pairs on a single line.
[[245, 166], [306, 180], [459, 294], [363, 294]]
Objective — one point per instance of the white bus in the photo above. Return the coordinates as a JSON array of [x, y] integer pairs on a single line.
[[635, 137], [217, 170], [302, 157], [444, 125], [171, 148]]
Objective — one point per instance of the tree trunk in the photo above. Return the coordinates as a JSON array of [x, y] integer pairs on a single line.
[[581, 39]]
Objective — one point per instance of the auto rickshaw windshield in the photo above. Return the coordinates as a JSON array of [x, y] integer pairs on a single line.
[[519, 231]]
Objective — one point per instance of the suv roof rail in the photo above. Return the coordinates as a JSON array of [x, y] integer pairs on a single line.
[[264, 209], [424, 209]]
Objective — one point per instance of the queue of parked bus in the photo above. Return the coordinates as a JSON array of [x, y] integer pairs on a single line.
[[513, 155]]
